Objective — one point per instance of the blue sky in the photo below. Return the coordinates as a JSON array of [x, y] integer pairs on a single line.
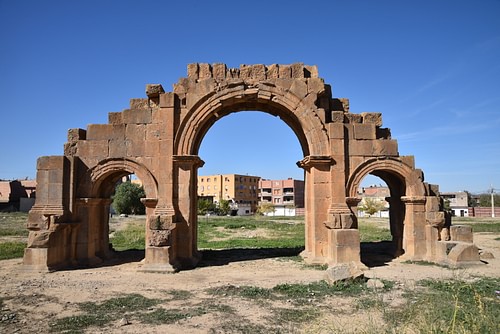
[[431, 67]]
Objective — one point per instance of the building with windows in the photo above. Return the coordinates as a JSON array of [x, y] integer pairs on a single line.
[[374, 193], [287, 196], [240, 190], [458, 202]]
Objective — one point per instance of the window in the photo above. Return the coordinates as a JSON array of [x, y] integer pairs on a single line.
[[208, 179], [208, 187], [201, 179], [277, 200]]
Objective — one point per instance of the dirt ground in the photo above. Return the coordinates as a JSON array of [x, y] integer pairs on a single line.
[[32, 300]]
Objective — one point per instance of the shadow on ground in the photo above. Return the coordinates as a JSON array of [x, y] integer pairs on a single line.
[[226, 256], [377, 254]]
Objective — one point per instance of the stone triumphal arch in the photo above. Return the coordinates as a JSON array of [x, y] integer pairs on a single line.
[[158, 139]]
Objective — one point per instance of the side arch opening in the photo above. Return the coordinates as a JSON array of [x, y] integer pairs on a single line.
[[401, 180], [112, 233]]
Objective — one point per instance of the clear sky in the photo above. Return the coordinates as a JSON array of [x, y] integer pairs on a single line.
[[431, 67]]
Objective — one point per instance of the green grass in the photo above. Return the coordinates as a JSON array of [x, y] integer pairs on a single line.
[[479, 224], [449, 306], [102, 314], [373, 231], [11, 250], [224, 233], [132, 237], [13, 224]]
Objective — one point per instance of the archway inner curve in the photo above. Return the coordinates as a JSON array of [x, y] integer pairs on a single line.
[[303, 119]]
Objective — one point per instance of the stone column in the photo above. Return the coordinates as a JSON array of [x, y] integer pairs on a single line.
[[414, 242], [317, 202], [186, 208]]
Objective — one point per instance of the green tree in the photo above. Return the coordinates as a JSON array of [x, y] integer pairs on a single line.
[[485, 200], [127, 199], [371, 205], [205, 206], [471, 202], [223, 207], [265, 208]]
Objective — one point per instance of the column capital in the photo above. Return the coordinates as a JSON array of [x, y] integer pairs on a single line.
[[188, 161], [352, 201], [149, 202], [316, 161]]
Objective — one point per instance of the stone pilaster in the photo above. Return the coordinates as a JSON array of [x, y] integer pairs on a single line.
[[414, 228]]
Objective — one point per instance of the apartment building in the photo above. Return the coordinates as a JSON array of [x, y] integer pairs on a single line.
[[286, 195], [240, 190]]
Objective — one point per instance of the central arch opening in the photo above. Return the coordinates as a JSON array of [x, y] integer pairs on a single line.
[[250, 190]]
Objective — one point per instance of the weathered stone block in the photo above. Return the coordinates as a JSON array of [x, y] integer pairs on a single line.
[[385, 147], [105, 132], [285, 72], [364, 131], [272, 71], [156, 132], [139, 104], [461, 233], [192, 71], [167, 100], [315, 85], [353, 118], [311, 71], [154, 90], [343, 271], [361, 147], [50, 162], [464, 252], [152, 148], [299, 89], [297, 70], [135, 132], [161, 222], [335, 130], [205, 71], [93, 148], [337, 116], [347, 237], [117, 148], [432, 204], [219, 71], [137, 116], [75, 135], [115, 118], [372, 118], [135, 148]]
